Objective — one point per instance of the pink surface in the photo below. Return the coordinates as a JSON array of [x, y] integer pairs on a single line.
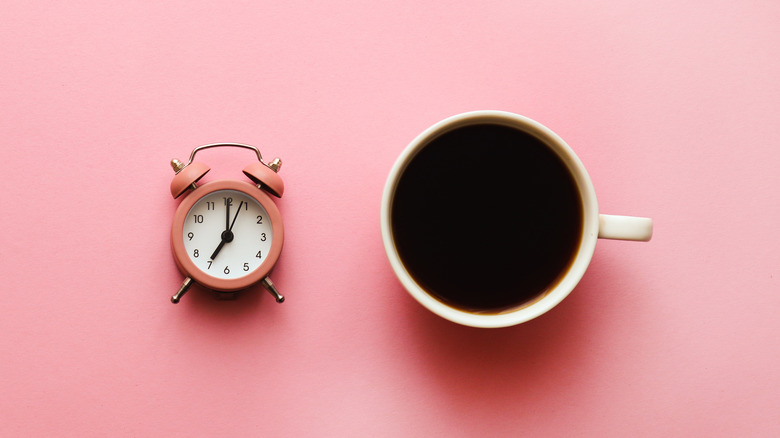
[[673, 107]]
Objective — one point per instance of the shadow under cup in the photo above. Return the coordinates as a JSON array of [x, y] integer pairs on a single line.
[[485, 217]]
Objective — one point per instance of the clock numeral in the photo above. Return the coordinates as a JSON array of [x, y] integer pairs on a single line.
[[190, 235], [209, 262], [246, 266], [228, 201], [210, 206], [198, 218], [259, 219], [262, 237], [226, 271], [195, 253], [259, 254]]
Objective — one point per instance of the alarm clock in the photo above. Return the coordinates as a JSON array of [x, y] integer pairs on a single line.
[[227, 235]]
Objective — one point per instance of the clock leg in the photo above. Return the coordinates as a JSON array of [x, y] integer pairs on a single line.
[[272, 289], [182, 290]]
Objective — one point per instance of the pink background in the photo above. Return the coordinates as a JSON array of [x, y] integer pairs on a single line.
[[672, 106]]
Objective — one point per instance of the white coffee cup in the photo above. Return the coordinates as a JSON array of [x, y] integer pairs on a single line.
[[594, 225]]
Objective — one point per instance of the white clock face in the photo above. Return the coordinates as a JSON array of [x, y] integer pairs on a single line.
[[227, 234]]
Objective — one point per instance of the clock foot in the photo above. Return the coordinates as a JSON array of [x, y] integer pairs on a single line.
[[272, 289], [182, 290]]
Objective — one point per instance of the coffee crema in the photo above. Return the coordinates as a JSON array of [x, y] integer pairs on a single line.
[[486, 218]]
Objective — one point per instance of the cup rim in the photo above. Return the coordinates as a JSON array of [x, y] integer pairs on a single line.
[[576, 269]]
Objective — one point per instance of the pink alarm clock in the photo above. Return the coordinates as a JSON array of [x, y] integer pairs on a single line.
[[227, 235]]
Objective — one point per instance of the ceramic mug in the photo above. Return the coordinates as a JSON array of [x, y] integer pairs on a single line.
[[590, 224]]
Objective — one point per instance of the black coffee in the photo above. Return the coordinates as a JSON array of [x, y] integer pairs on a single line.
[[486, 218]]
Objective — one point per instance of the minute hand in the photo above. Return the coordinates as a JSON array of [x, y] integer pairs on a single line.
[[228, 201]]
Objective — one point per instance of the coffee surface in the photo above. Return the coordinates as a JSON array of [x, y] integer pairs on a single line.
[[486, 218]]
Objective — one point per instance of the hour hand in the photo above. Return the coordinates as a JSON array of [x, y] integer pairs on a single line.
[[227, 236], [219, 248]]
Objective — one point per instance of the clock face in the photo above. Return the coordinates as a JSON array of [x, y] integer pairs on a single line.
[[227, 234]]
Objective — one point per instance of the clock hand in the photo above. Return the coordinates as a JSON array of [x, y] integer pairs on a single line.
[[219, 247], [227, 213], [236, 216], [227, 235]]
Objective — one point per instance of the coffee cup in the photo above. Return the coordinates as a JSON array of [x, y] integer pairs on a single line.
[[489, 219]]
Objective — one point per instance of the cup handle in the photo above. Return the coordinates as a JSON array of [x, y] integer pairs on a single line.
[[625, 227]]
